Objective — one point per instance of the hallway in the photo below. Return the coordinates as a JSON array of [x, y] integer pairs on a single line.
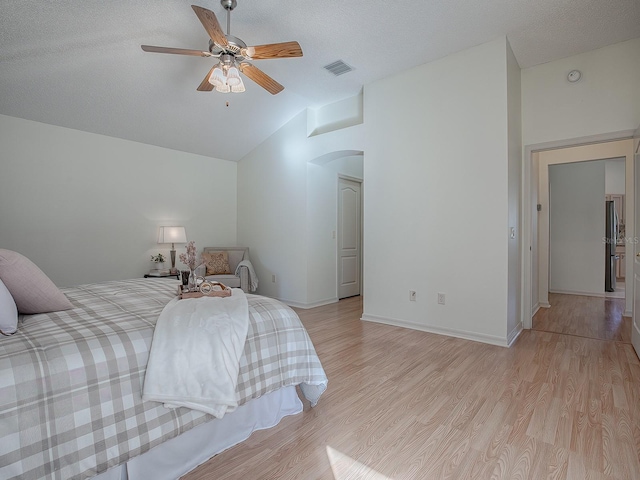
[[591, 317]]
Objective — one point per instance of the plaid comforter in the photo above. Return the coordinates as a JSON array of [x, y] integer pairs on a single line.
[[71, 382]]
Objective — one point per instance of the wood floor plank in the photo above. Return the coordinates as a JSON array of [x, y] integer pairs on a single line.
[[403, 404]]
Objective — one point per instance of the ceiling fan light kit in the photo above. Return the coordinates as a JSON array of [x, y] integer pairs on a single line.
[[225, 76], [233, 54]]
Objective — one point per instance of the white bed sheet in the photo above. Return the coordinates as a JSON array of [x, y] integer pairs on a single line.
[[176, 457]]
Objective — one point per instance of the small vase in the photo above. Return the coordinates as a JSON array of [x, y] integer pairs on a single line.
[[192, 285]]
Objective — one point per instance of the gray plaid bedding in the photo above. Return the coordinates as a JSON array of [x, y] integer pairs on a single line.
[[71, 382]]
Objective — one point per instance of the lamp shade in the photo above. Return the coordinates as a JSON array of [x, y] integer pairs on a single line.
[[223, 88], [238, 88], [172, 235], [233, 77], [217, 77]]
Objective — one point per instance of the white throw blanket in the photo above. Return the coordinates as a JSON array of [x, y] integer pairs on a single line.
[[253, 278], [195, 353]]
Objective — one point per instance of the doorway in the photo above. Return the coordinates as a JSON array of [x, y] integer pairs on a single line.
[[536, 224], [581, 259], [587, 240], [349, 237]]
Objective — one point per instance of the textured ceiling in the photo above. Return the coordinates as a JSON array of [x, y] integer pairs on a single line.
[[78, 63]]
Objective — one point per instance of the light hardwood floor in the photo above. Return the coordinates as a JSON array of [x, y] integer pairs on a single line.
[[592, 317], [403, 404]]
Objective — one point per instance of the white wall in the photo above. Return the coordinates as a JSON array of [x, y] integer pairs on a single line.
[[533, 257], [281, 214], [272, 200], [606, 99], [514, 149], [335, 116], [86, 207], [614, 176], [576, 228], [436, 208]]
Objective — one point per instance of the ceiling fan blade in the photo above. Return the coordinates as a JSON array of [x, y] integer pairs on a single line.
[[273, 50], [261, 78], [177, 51], [211, 25], [205, 86]]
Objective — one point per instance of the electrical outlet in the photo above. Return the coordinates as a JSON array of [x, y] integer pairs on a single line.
[[273, 278], [441, 298], [412, 295]]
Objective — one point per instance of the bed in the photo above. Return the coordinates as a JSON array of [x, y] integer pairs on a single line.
[[71, 381]]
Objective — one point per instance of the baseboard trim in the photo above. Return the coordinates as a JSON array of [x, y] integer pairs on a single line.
[[536, 307], [514, 334], [583, 294], [306, 306], [628, 313], [545, 305], [449, 332]]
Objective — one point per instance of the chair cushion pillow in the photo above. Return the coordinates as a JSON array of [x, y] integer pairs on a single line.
[[228, 280], [217, 263], [8, 312], [30, 288]]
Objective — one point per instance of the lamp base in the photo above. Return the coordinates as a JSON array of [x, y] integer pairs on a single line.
[[173, 270]]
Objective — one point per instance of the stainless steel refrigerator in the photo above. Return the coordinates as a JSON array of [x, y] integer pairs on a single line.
[[611, 239]]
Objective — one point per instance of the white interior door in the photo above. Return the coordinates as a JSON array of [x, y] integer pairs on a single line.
[[635, 327], [349, 237]]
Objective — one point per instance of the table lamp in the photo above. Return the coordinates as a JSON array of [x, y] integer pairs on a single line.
[[172, 235]]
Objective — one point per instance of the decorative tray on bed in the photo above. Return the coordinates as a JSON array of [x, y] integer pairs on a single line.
[[205, 289]]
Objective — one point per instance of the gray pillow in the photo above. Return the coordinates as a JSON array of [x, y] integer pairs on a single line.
[[8, 312], [30, 288]]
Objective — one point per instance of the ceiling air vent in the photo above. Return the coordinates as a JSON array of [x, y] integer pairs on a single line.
[[338, 67]]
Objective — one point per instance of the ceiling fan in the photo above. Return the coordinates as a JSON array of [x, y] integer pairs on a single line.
[[233, 54]]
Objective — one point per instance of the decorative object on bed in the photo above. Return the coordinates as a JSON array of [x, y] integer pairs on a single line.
[[243, 276], [172, 235], [8, 312], [30, 288], [78, 410], [205, 289], [190, 260]]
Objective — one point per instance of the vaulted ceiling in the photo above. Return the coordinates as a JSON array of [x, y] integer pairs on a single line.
[[78, 63]]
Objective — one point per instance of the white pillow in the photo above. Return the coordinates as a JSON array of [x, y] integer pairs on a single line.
[[8, 312]]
